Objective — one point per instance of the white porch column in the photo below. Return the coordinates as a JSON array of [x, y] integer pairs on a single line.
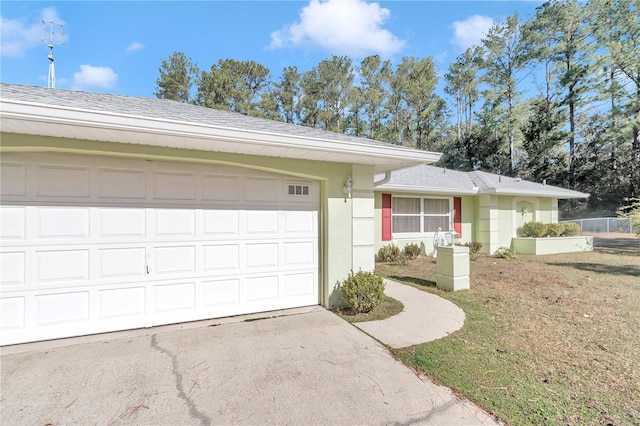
[[363, 217]]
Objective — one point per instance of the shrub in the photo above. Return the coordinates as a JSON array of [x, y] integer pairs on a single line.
[[535, 229], [632, 211], [474, 248], [539, 229], [555, 229], [505, 253], [412, 251], [388, 253], [362, 291], [571, 229], [391, 253]]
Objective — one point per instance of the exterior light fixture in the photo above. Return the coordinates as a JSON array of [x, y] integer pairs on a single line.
[[348, 186]]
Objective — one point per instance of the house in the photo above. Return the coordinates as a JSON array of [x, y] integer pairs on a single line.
[[122, 212], [412, 203]]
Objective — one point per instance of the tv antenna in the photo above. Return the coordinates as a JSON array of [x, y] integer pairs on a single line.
[[52, 34]]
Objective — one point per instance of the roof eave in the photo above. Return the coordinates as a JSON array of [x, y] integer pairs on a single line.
[[532, 193], [56, 121], [424, 190]]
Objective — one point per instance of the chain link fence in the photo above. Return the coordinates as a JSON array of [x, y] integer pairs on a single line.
[[604, 224]]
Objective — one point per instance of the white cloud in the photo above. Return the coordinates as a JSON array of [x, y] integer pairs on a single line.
[[90, 76], [351, 27], [20, 35], [471, 31], [136, 45]]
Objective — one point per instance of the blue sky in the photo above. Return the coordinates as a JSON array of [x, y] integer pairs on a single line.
[[118, 46]]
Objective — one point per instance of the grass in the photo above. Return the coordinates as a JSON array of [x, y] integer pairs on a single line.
[[547, 339], [388, 307]]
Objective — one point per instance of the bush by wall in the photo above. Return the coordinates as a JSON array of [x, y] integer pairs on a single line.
[[474, 248], [555, 229], [571, 229], [412, 251], [391, 253], [362, 291], [540, 230]]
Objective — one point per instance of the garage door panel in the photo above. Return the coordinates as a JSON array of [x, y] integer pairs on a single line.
[[62, 222], [261, 288], [122, 302], [174, 186], [262, 189], [122, 183], [221, 292], [302, 284], [13, 223], [122, 222], [299, 253], [220, 188], [108, 245], [221, 222], [299, 222], [221, 257], [175, 259], [261, 255], [13, 179], [62, 265], [175, 222], [122, 262], [175, 297], [12, 269], [260, 222], [62, 307], [63, 181], [12, 313]]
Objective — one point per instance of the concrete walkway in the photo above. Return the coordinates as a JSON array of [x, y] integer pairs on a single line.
[[426, 317]]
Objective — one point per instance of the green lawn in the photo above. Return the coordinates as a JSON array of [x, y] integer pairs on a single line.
[[547, 340]]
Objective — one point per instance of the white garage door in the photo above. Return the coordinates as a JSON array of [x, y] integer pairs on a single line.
[[93, 244]]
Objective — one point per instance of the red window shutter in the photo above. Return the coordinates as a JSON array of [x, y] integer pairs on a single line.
[[457, 214], [386, 217]]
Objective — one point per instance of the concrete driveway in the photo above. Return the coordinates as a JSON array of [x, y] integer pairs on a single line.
[[307, 368]]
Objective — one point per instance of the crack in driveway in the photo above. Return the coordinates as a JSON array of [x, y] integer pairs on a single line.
[[193, 410]]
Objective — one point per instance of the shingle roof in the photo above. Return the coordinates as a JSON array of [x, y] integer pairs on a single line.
[[158, 122], [167, 110], [430, 179]]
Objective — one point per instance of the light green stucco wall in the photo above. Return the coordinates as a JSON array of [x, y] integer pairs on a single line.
[[511, 216], [346, 224]]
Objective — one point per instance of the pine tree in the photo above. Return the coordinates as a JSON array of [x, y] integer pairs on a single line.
[[177, 75]]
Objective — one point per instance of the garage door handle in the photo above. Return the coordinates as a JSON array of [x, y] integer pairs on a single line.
[[147, 269]]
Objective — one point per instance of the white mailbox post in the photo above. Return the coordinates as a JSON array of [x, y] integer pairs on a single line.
[[452, 268]]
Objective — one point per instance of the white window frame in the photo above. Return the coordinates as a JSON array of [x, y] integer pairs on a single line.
[[422, 215]]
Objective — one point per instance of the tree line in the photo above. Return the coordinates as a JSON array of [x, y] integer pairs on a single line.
[[555, 99]]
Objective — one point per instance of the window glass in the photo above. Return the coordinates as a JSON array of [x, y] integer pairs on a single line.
[[405, 205], [420, 215], [432, 223], [406, 224], [436, 206]]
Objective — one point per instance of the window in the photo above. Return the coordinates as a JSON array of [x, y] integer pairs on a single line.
[[420, 215], [298, 190]]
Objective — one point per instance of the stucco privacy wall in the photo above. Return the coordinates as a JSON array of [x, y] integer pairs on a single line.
[[343, 248], [425, 241], [499, 217]]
